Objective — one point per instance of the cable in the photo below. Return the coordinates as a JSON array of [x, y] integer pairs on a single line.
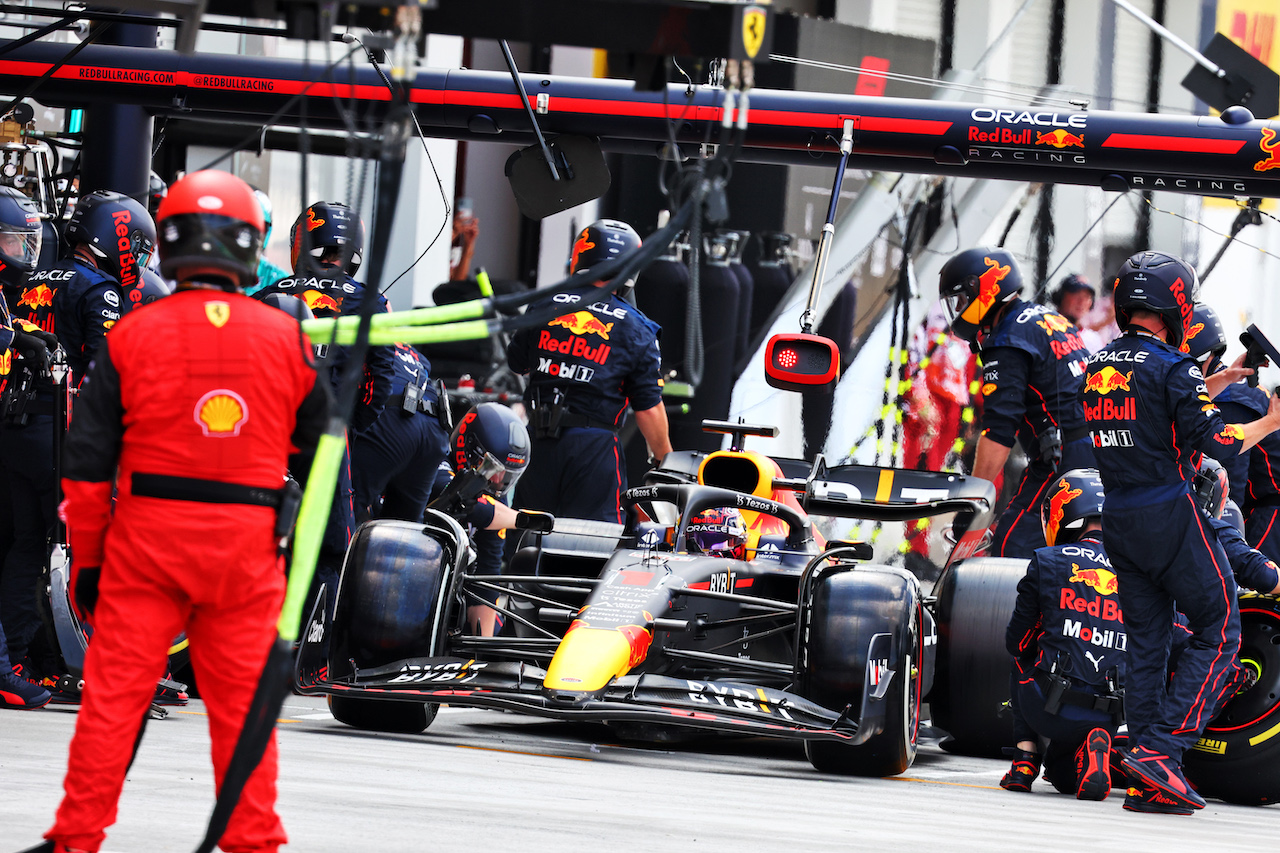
[[53, 69], [1044, 285], [352, 38], [257, 133], [909, 78]]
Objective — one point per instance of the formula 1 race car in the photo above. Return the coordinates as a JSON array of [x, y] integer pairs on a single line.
[[621, 624]]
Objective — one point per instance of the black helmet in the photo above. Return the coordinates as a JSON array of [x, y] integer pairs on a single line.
[[491, 442], [151, 287], [1211, 486], [211, 220], [157, 189], [1206, 338], [975, 285], [326, 226], [1232, 515], [291, 305], [1073, 499], [1161, 284], [601, 241], [21, 235], [118, 231], [1073, 283]]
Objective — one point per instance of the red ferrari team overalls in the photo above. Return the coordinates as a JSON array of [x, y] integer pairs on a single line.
[[201, 386]]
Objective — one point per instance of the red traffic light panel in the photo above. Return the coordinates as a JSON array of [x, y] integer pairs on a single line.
[[797, 362]]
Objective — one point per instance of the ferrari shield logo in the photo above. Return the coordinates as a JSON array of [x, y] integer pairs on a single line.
[[218, 313], [753, 22]]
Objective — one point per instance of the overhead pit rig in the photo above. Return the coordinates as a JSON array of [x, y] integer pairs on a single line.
[[1231, 155]]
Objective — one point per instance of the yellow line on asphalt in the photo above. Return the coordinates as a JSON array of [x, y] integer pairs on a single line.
[[939, 782], [519, 752], [206, 713]]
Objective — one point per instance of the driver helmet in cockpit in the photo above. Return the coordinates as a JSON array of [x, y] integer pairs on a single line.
[[717, 532]]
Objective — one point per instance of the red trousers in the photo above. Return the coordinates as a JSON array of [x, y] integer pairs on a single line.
[[169, 566]]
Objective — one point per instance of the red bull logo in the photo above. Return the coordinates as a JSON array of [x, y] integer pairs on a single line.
[[1057, 508], [1060, 138], [988, 291], [583, 323], [318, 301], [1268, 144], [988, 389], [582, 244], [1101, 581], [312, 223], [574, 346], [35, 298], [1191, 333], [1230, 434], [638, 639], [1106, 380], [1054, 323]]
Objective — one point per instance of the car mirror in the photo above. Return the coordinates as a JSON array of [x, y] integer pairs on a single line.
[[532, 519]]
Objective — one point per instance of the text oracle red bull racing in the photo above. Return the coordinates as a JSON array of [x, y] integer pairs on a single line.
[[1092, 592]]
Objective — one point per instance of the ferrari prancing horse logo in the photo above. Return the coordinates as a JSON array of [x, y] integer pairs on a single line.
[[218, 313]]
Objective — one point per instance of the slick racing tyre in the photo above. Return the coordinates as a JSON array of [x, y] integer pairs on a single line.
[[845, 611], [975, 600], [392, 605], [379, 715], [1237, 758]]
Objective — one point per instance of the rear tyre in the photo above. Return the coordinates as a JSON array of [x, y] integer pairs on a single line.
[[975, 600], [377, 715], [1237, 758], [845, 611]]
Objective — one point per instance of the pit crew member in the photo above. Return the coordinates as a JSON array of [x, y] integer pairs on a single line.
[[585, 367], [394, 461], [26, 439], [488, 452], [1149, 409], [198, 443], [1254, 476], [1032, 362], [1068, 645]]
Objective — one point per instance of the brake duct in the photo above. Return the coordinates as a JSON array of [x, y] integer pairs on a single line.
[[1118, 151]]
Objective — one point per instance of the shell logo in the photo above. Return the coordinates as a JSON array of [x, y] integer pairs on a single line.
[[221, 413]]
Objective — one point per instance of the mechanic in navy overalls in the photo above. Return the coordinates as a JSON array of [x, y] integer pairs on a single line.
[[1032, 361], [27, 500], [1068, 644], [584, 368], [394, 461], [1149, 410], [326, 247], [77, 299], [488, 452], [1254, 476]]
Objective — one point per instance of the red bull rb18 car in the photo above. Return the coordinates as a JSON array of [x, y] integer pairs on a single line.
[[622, 624]]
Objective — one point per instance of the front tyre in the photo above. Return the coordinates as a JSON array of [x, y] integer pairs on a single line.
[[845, 612], [378, 715]]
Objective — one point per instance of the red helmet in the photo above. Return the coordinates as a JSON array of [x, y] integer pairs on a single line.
[[717, 532], [211, 219]]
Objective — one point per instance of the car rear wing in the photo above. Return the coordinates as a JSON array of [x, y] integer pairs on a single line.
[[892, 494]]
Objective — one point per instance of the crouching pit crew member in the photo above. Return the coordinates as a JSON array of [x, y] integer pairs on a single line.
[[1032, 363], [584, 368], [1068, 645], [489, 451], [1149, 409], [198, 442]]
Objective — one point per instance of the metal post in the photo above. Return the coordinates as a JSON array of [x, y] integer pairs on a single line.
[[117, 141], [828, 229]]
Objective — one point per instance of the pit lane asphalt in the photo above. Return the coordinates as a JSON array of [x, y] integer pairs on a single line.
[[484, 780]]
